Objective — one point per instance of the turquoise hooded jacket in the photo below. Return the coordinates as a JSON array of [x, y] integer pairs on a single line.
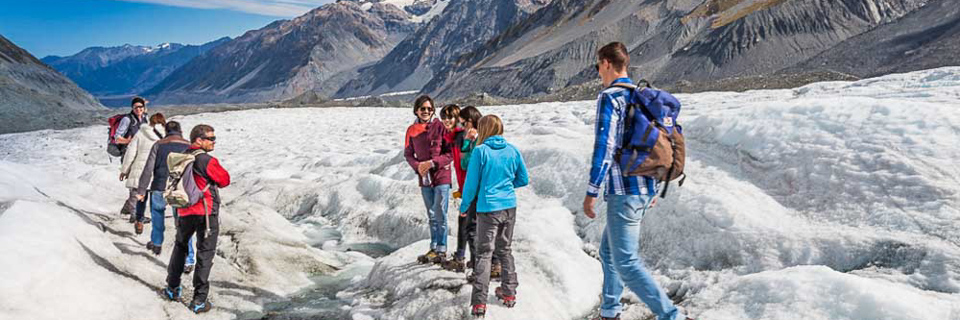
[[496, 169]]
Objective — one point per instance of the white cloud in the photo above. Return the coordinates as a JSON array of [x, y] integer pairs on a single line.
[[277, 8]]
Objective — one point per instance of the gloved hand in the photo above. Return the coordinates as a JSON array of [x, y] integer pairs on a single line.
[[457, 195]]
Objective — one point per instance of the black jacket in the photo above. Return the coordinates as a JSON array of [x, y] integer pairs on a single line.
[[156, 168]]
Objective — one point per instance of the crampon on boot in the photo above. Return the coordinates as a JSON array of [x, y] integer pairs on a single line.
[[479, 310], [172, 294], [427, 257], [200, 307], [508, 301], [440, 258], [455, 265]]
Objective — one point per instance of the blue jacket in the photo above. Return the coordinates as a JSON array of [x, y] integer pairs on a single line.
[[496, 168]]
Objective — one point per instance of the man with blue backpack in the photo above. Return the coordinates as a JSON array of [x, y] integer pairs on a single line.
[[638, 146]]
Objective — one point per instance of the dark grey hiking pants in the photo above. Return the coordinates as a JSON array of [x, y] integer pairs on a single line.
[[134, 206], [467, 236], [494, 229], [130, 206]]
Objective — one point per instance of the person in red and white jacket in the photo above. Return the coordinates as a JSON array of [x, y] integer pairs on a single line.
[[203, 218]]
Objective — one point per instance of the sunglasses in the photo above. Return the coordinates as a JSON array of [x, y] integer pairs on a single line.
[[422, 109], [140, 107], [212, 139]]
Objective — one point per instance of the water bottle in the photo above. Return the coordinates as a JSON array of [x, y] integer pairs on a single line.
[[426, 179]]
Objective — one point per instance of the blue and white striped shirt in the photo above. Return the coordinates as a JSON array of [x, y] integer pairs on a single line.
[[611, 105]]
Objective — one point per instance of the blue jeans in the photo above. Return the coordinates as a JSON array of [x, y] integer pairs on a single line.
[[621, 262], [436, 200], [158, 207]]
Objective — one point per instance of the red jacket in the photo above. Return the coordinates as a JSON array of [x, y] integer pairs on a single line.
[[424, 142], [210, 167], [451, 138]]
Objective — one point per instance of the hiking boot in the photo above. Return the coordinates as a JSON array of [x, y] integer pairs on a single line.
[[508, 301], [479, 310], [455, 265], [495, 271], [154, 248], [132, 219], [200, 307], [138, 227], [146, 220], [172, 294], [427, 257], [470, 264], [440, 258], [188, 269]]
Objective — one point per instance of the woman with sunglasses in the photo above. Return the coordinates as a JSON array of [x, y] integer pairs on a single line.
[[430, 157]]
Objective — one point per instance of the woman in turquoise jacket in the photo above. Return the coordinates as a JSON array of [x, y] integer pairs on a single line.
[[496, 168]]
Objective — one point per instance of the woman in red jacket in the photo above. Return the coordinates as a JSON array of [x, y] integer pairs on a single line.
[[429, 155]]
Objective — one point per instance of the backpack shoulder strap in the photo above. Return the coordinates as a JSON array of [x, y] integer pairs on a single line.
[[133, 123], [196, 153], [643, 108]]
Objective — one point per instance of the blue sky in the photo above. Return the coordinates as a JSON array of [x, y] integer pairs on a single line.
[[64, 27]]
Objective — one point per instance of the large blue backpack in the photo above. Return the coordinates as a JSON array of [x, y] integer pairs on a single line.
[[653, 143]]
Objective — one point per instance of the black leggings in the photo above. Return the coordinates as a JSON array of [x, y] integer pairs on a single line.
[[467, 235]]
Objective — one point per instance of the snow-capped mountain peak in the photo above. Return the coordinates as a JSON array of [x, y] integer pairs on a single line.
[[419, 10]]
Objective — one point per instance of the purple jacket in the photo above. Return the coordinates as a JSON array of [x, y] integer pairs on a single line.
[[424, 142]]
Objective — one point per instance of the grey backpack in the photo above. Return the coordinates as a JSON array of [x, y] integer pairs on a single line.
[[180, 192]]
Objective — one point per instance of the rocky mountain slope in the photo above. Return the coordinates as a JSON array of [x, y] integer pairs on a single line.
[[464, 26], [34, 96], [669, 41], [314, 52], [926, 38]]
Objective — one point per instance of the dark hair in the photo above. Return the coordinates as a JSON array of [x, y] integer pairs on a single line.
[[138, 100], [420, 101], [450, 111], [616, 54], [171, 127], [198, 131], [472, 115]]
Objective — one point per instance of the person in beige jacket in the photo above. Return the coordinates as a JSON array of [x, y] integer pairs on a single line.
[[135, 159]]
